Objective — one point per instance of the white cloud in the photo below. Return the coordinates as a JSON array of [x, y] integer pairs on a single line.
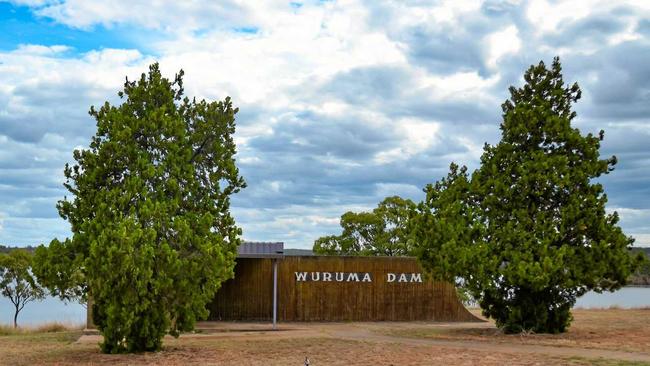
[[635, 213], [404, 111], [502, 43], [445, 13], [459, 86], [629, 34], [550, 17], [23, 231], [297, 226], [164, 15], [547, 16], [38, 50], [32, 3], [397, 189], [416, 136], [642, 240], [292, 50], [44, 93]]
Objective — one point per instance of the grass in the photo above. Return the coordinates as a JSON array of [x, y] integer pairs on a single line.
[[611, 329], [602, 362], [52, 327], [215, 350], [31, 347]]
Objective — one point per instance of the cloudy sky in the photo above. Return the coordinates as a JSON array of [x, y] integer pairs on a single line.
[[342, 102]]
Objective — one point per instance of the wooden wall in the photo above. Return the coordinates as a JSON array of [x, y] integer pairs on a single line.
[[249, 296]]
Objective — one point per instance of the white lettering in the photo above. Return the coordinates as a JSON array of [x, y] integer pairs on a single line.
[[416, 277], [353, 277], [356, 277]]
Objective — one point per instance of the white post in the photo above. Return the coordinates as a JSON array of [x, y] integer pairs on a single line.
[[275, 292]]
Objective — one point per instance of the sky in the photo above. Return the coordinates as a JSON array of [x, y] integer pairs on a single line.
[[342, 103]]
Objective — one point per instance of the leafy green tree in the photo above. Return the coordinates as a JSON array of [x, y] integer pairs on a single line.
[[17, 282], [60, 268], [447, 231], [528, 233], [153, 237], [380, 232]]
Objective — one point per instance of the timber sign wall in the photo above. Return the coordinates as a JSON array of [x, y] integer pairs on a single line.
[[330, 288]]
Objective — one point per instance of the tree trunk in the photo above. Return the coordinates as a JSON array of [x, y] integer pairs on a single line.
[[16, 318]]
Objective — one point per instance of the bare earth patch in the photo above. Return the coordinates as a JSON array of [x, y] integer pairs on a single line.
[[600, 337], [609, 329]]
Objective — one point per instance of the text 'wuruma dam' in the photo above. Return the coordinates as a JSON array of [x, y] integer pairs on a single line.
[[355, 277]]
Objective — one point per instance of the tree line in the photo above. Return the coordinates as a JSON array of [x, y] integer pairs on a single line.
[[642, 275], [4, 249]]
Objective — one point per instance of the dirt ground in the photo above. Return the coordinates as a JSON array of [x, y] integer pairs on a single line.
[[597, 337], [607, 329]]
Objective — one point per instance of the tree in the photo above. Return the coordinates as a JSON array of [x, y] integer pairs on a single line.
[[153, 237], [380, 232], [642, 275], [528, 233], [17, 282], [447, 231], [60, 268]]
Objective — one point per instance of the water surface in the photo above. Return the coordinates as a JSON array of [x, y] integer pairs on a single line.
[[46, 311], [627, 297]]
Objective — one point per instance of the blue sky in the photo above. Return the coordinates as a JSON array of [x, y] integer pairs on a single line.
[[21, 25], [342, 102]]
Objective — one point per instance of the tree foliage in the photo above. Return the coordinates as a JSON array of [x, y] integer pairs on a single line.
[[382, 232], [153, 237], [528, 233], [642, 275], [60, 268], [17, 282]]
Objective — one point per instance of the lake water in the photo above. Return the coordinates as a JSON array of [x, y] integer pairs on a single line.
[[46, 311], [51, 309], [627, 297]]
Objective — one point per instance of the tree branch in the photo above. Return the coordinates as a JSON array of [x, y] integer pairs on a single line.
[[199, 150]]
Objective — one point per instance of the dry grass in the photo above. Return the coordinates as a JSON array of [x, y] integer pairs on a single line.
[[325, 345], [212, 350], [611, 329], [52, 327]]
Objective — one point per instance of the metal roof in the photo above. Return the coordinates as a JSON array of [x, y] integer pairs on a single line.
[[249, 249]]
